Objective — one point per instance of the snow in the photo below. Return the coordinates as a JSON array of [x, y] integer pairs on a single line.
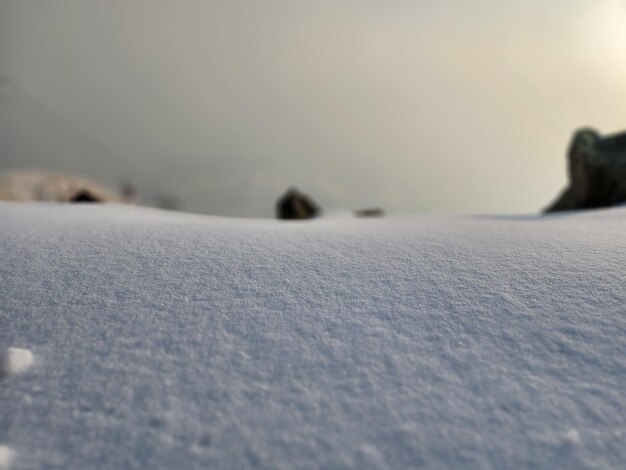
[[169, 340], [572, 437], [15, 361], [6, 456]]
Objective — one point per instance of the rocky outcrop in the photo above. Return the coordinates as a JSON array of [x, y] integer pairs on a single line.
[[46, 186], [294, 205], [597, 172]]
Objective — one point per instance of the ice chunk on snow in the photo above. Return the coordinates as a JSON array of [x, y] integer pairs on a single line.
[[6, 456], [16, 361], [572, 437]]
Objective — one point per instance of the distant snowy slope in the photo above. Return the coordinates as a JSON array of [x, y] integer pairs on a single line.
[[168, 340]]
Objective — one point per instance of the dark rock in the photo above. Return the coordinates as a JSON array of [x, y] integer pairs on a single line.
[[597, 172], [84, 196], [373, 212], [294, 205]]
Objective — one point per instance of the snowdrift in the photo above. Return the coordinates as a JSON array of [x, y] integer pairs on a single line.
[[169, 340]]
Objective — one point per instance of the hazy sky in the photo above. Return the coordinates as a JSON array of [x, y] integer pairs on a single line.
[[449, 106]]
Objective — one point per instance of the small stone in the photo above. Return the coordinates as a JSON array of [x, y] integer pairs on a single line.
[[294, 205], [372, 212], [84, 195]]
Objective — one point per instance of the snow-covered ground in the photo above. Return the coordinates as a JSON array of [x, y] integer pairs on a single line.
[[169, 340]]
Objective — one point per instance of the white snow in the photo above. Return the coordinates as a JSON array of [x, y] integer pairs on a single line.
[[6, 456], [572, 437], [181, 341], [15, 361]]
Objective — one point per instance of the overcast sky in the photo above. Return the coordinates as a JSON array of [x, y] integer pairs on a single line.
[[448, 106]]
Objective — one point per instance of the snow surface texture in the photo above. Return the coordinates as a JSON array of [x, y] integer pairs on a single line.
[[168, 340]]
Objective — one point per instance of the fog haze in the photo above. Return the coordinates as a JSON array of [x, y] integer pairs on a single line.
[[457, 106]]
